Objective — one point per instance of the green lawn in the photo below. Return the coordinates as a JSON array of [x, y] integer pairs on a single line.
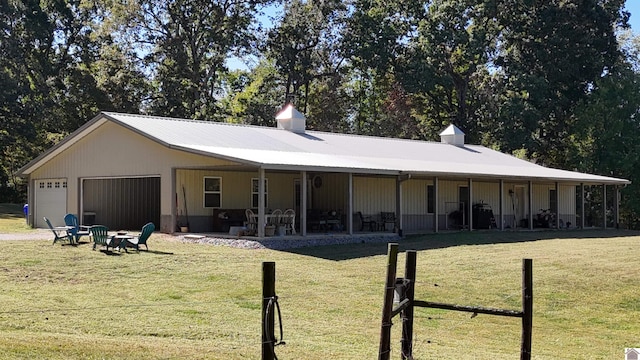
[[189, 301], [12, 219]]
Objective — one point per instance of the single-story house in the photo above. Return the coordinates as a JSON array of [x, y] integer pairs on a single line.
[[123, 170]]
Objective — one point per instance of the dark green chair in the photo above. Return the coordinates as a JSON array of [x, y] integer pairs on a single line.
[[141, 239], [100, 235], [71, 220], [60, 234]]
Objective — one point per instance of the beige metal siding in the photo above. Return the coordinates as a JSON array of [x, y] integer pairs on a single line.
[[98, 155], [236, 190], [373, 195]]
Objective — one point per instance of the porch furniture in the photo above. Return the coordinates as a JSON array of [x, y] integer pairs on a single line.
[[483, 216], [77, 231], [141, 239], [275, 217], [100, 235], [316, 220], [366, 220], [289, 221], [387, 218], [224, 219], [60, 233], [252, 222]]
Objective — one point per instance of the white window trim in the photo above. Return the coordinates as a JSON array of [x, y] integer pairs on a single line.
[[205, 192], [266, 193]]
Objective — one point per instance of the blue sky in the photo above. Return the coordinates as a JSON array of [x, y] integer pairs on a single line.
[[633, 6]]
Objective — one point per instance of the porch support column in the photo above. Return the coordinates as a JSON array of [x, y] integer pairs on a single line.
[[435, 205], [303, 203], [557, 205], [174, 201], [470, 205], [604, 206], [616, 199], [582, 205], [349, 214], [398, 225], [530, 205], [501, 207], [261, 203]]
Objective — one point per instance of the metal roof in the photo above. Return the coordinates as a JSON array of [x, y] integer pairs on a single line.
[[273, 148]]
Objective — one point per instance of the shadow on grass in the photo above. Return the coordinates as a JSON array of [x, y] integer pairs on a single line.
[[446, 240]]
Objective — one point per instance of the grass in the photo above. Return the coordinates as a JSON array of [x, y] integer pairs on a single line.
[[190, 301], [12, 219]]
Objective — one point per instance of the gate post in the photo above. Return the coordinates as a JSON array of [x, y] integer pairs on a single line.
[[527, 308], [268, 318], [385, 331], [407, 313]]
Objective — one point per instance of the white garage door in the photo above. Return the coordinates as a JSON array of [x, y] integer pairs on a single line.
[[51, 201]]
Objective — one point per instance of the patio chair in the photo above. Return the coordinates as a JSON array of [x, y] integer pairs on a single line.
[[276, 217], [387, 218], [252, 224], [60, 234], [77, 231], [289, 221], [141, 239], [100, 235], [366, 220]]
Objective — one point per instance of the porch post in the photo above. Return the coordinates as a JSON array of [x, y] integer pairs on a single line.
[[398, 210], [174, 202], [501, 207], [303, 204], [530, 205], [616, 193], [435, 205], [604, 206], [470, 209], [349, 214], [582, 206], [557, 205], [261, 203]]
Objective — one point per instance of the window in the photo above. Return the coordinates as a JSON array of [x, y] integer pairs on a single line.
[[431, 199], [212, 192], [254, 193]]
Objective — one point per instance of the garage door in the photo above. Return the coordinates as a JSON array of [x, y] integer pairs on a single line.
[[51, 202], [122, 203]]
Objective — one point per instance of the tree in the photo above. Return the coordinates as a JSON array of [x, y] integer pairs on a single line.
[[188, 42], [551, 53]]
